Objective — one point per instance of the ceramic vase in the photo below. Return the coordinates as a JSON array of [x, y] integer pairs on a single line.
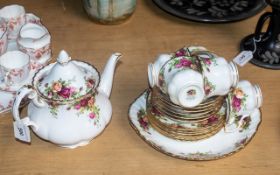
[[109, 11]]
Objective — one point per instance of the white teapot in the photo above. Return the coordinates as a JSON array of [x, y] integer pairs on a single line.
[[69, 101]]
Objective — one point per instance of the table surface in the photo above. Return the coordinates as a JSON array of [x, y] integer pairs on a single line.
[[119, 150]]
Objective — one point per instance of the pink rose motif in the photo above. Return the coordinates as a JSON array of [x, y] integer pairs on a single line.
[[92, 115], [90, 83], [155, 111], [72, 90], [78, 106], [184, 63], [180, 52], [38, 54], [84, 102], [213, 119], [65, 92], [91, 101], [207, 89], [143, 122], [207, 61], [236, 103]]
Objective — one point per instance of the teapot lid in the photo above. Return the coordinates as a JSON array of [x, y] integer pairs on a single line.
[[66, 79]]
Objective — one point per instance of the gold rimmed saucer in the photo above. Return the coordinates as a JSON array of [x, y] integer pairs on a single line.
[[219, 145]]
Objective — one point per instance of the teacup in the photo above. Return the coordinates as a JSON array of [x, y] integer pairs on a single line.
[[185, 88], [34, 40], [14, 15], [243, 100], [3, 36], [14, 66], [219, 75]]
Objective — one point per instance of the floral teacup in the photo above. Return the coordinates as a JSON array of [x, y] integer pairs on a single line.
[[14, 16], [185, 88], [243, 100], [219, 75], [14, 66]]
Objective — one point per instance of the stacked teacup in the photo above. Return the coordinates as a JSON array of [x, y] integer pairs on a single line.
[[24, 48], [189, 91]]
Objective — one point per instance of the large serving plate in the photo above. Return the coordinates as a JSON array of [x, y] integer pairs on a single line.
[[222, 144], [212, 11]]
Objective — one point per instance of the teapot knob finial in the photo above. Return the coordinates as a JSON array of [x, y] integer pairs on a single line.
[[63, 57]]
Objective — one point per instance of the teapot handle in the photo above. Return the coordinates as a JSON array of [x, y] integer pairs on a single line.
[[31, 94]]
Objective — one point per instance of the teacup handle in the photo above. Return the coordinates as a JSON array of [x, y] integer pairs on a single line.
[[31, 94]]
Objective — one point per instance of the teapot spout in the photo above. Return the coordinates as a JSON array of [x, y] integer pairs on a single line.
[[107, 76]]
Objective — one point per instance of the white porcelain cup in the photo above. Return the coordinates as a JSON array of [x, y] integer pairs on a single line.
[[14, 67], [185, 88], [219, 75], [34, 40], [14, 16], [243, 100], [3, 36]]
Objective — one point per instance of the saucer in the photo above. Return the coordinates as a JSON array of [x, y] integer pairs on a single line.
[[16, 87], [222, 144], [6, 101]]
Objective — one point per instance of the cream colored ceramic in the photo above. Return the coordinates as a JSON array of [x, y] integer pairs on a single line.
[[70, 101]]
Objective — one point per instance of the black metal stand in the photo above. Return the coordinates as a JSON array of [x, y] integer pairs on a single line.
[[266, 46]]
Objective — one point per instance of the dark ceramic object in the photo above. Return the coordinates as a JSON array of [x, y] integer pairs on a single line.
[[267, 45], [212, 11]]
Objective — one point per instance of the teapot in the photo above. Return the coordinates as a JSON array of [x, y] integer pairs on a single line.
[[69, 101]]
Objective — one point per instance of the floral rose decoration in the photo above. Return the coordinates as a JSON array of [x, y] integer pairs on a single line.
[[238, 93], [180, 53], [92, 115], [56, 87], [65, 92], [207, 61], [238, 97], [184, 63]]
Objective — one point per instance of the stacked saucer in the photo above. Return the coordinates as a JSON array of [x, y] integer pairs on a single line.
[[181, 123]]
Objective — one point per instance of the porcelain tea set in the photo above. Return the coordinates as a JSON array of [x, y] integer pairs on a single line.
[[24, 48], [195, 107]]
